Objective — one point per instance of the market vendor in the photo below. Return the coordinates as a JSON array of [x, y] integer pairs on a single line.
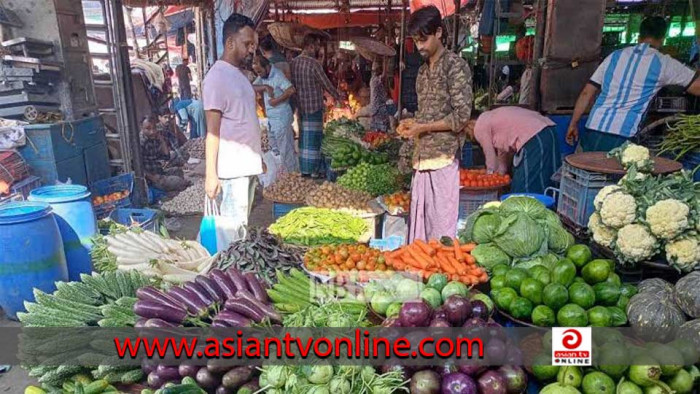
[[628, 80], [378, 94], [444, 93], [522, 137], [277, 90], [156, 155], [364, 114]]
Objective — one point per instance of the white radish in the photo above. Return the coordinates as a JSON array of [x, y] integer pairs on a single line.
[[130, 254], [130, 261], [112, 241], [205, 266], [142, 241], [201, 251], [191, 265], [158, 242], [172, 269], [179, 278], [138, 267]]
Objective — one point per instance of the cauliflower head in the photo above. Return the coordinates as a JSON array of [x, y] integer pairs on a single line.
[[630, 155], [604, 192], [618, 210], [684, 253], [635, 243], [602, 234], [668, 218], [638, 176]]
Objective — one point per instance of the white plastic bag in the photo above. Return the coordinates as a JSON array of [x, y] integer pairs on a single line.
[[274, 168], [216, 232]]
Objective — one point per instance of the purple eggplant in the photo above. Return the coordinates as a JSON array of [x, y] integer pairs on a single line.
[[471, 369], [187, 370], [440, 313], [233, 318], [158, 323], [238, 279], [211, 287], [458, 309], [495, 351], [425, 382], [236, 377], [151, 310], [246, 308], [141, 322], [480, 310], [168, 373], [256, 288], [415, 314], [219, 324], [224, 390], [155, 381], [267, 309], [224, 282], [516, 378], [194, 305], [150, 293], [206, 379], [491, 382], [200, 292], [458, 383], [148, 366], [514, 356]]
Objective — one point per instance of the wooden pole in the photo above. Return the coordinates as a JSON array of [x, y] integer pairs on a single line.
[[455, 39], [540, 31], [401, 51]]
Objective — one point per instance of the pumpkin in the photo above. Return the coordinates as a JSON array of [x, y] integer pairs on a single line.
[[654, 316], [687, 294], [690, 331], [655, 286]]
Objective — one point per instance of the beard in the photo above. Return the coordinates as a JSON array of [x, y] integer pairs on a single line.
[[424, 54]]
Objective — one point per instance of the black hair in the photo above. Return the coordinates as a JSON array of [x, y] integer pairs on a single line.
[[311, 39], [268, 43], [653, 27], [234, 24], [425, 22], [262, 60]]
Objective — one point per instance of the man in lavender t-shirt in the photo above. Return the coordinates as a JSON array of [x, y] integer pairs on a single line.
[[233, 147]]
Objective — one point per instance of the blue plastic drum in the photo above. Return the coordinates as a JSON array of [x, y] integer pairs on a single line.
[[32, 254], [76, 221], [546, 200]]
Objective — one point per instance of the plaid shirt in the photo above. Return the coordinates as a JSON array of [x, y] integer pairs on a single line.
[[310, 81], [152, 156]]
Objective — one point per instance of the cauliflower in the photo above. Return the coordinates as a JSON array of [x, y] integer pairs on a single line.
[[602, 234], [618, 209], [492, 204], [684, 253], [635, 243], [638, 176], [604, 192], [668, 218], [633, 155]]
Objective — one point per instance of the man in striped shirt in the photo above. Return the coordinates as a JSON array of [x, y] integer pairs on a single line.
[[628, 80]]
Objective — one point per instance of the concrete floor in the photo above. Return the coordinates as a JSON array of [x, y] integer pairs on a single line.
[[16, 379]]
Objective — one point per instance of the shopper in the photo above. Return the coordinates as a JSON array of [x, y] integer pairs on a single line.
[[183, 79], [310, 81], [277, 91], [270, 50], [378, 97], [233, 145], [522, 137], [444, 106], [628, 80], [192, 112]]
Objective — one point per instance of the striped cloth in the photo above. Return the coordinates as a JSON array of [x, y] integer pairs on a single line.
[[311, 136], [629, 79], [536, 162]]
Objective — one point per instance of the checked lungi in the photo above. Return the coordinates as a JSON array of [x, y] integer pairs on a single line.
[[536, 162], [311, 136]]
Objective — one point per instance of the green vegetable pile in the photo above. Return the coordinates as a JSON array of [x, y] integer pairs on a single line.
[[316, 226], [621, 367], [343, 127], [345, 153], [104, 300], [377, 180], [573, 292], [520, 229], [682, 138], [326, 379]]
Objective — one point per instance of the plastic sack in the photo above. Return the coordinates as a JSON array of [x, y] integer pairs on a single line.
[[216, 232], [274, 168]]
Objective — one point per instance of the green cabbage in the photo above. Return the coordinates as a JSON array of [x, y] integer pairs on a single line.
[[520, 236], [551, 218], [489, 255], [523, 204], [547, 261], [559, 239], [481, 226]]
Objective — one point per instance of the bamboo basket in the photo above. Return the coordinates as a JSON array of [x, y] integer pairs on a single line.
[[370, 48]]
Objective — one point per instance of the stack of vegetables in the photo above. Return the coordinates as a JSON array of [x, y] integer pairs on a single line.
[[398, 203], [376, 180], [326, 379], [573, 292], [345, 153], [128, 249], [188, 385], [261, 253], [518, 230], [446, 256], [221, 299], [344, 128], [334, 196], [658, 312], [478, 178], [103, 300], [317, 226], [290, 188], [375, 139], [351, 262], [645, 215], [623, 368]]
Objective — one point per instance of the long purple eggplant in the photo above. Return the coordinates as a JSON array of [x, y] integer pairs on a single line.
[[246, 308], [152, 309], [267, 309], [168, 373], [255, 287], [194, 305], [219, 324], [187, 370], [158, 323], [238, 279], [233, 318], [150, 293], [211, 287], [141, 322], [224, 282], [199, 291]]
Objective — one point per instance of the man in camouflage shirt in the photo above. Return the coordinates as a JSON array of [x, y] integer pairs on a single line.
[[444, 107]]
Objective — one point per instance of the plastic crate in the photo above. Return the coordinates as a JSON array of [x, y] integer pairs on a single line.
[[577, 191], [25, 186], [119, 183], [146, 219], [280, 209], [470, 201], [690, 162], [671, 104]]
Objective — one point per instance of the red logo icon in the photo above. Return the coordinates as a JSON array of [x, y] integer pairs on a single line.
[[572, 339]]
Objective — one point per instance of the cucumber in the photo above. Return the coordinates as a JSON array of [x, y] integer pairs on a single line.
[[68, 386], [79, 389], [183, 389], [59, 374], [131, 377], [96, 387], [34, 390]]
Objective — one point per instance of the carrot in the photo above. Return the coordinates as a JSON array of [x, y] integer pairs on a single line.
[[449, 249], [422, 261], [469, 258], [458, 252], [410, 261], [396, 253], [434, 243], [424, 247], [484, 277], [447, 266], [468, 247], [459, 267], [399, 266], [454, 277]]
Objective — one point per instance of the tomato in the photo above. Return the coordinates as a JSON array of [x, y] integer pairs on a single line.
[[361, 265]]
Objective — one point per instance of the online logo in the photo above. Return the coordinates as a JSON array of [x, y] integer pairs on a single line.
[[572, 346]]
